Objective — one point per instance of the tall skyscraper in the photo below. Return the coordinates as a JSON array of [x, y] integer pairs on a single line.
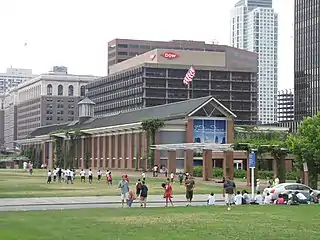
[[12, 77], [254, 27], [306, 58]]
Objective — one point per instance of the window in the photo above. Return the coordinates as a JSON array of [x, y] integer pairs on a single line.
[[70, 91], [49, 89], [302, 188], [292, 187], [82, 91], [60, 90]]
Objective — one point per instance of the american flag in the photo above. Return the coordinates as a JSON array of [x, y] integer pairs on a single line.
[[189, 76]]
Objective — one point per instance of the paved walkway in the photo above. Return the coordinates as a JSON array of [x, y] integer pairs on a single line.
[[16, 202]]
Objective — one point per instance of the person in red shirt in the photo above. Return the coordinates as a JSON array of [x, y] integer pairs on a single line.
[[167, 192], [126, 178]]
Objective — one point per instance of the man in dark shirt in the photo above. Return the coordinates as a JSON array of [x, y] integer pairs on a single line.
[[229, 188], [143, 194], [190, 184]]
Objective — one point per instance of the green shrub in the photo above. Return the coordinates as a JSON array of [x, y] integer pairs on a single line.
[[262, 174], [292, 175], [241, 173], [217, 173], [197, 171]]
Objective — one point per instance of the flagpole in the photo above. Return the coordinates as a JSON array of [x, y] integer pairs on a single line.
[[192, 89]]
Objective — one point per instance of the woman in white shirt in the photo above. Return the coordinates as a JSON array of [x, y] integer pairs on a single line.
[[258, 199], [245, 196], [238, 198], [267, 199]]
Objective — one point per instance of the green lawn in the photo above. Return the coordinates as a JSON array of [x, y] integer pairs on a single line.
[[243, 222], [19, 184]]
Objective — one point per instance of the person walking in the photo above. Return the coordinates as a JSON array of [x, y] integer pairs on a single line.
[[124, 190], [229, 188], [190, 185], [144, 195]]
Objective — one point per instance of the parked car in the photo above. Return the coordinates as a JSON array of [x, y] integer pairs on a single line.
[[286, 187]]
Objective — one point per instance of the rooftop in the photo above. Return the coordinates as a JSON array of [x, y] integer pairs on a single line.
[[167, 112]]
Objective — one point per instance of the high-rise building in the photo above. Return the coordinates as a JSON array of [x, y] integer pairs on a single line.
[[2, 97], [254, 27], [306, 58], [10, 119], [120, 50], [49, 99], [156, 78], [12, 77], [285, 106]]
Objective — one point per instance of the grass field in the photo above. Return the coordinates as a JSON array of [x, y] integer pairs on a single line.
[[19, 184], [196, 223]]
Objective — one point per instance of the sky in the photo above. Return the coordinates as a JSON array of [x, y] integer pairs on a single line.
[[74, 33]]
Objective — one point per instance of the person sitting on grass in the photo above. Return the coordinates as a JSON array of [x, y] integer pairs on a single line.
[[292, 199], [131, 198], [302, 199], [238, 198], [280, 200], [267, 199], [258, 199], [245, 197], [311, 197], [211, 201]]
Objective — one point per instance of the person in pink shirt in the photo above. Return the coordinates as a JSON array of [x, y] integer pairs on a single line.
[[280, 200]]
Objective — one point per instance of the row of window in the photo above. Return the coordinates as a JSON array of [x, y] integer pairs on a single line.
[[59, 119], [70, 90], [60, 112]]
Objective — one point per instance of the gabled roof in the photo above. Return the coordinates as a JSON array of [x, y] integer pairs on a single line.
[[170, 111]]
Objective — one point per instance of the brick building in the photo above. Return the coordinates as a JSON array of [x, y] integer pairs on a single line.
[[119, 142]]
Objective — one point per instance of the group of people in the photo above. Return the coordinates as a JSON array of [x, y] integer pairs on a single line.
[[68, 175], [28, 166], [141, 191]]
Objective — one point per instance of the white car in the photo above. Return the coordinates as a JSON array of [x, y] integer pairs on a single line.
[[285, 187]]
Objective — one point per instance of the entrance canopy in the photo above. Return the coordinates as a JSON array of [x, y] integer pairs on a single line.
[[193, 146]]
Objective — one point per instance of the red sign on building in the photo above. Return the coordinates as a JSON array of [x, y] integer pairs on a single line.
[[170, 55]]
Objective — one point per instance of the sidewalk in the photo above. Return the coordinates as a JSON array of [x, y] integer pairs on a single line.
[[16, 202]]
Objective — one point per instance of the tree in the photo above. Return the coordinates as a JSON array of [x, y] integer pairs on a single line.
[[262, 142], [151, 126], [57, 153], [70, 143], [305, 145]]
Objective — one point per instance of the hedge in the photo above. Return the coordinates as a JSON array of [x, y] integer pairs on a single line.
[[240, 173]]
